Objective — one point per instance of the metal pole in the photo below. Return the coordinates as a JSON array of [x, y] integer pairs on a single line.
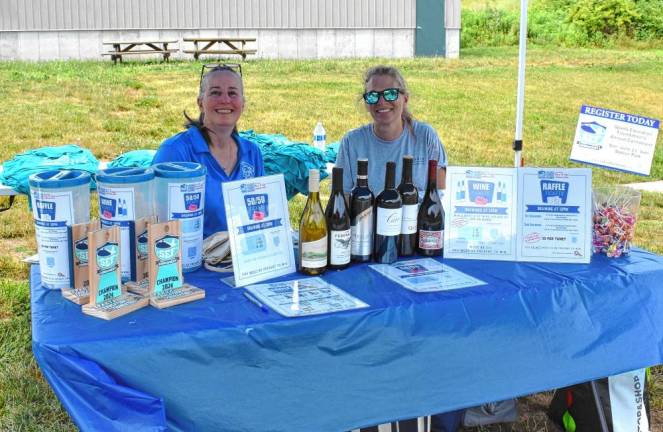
[[599, 407], [520, 99]]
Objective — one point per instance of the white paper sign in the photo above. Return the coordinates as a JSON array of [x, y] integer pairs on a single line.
[[303, 297], [615, 140], [524, 214], [426, 275], [554, 214], [480, 220], [259, 228]]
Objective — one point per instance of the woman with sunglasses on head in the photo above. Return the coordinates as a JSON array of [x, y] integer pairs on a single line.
[[393, 134], [212, 140]]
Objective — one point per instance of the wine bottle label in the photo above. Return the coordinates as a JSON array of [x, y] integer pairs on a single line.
[[431, 239], [362, 233], [409, 223], [389, 221], [314, 253], [339, 252]]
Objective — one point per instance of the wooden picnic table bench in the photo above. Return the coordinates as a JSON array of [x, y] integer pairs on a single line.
[[217, 45], [122, 48]]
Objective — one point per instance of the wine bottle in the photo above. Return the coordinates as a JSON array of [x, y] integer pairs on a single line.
[[388, 215], [313, 230], [407, 240], [361, 208], [430, 223], [338, 224]]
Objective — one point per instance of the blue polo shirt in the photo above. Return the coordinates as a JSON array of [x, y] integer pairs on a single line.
[[190, 146]]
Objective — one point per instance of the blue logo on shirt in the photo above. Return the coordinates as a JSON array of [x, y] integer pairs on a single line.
[[247, 170]]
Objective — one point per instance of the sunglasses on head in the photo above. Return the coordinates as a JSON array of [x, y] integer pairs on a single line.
[[372, 97], [211, 67]]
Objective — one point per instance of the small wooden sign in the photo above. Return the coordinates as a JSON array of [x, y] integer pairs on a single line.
[[80, 278], [142, 283], [108, 298], [167, 287]]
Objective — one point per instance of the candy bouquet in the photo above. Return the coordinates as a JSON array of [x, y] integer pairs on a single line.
[[614, 217]]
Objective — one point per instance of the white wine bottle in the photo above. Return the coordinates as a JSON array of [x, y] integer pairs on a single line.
[[313, 230]]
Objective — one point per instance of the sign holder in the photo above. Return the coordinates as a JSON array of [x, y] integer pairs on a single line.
[[166, 283], [108, 297], [259, 229]]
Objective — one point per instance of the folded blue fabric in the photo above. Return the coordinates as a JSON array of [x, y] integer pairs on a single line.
[[16, 171], [292, 159], [133, 159]]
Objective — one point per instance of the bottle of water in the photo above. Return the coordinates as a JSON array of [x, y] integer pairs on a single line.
[[319, 137]]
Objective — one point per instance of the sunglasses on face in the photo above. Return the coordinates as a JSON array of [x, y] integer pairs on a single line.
[[372, 97], [211, 67]]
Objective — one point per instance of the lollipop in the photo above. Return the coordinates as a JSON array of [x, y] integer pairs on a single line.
[[615, 214]]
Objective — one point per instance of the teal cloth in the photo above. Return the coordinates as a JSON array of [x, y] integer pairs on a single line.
[[16, 171], [292, 159], [133, 159]]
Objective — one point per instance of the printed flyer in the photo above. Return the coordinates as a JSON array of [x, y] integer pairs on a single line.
[[480, 218], [426, 275], [302, 297], [259, 229], [524, 214], [616, 140], [554, 215]]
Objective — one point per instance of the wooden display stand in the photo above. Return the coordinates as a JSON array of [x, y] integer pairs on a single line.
[[79, 292], [141, 285], [165, 261], [108, 297]]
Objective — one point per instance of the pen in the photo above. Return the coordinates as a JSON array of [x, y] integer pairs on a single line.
[[256, 302]]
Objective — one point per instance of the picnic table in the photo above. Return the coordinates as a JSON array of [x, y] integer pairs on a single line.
[[206, 45], [122, 48]]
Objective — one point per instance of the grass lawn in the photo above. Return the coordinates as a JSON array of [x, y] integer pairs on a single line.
[[471, 102]]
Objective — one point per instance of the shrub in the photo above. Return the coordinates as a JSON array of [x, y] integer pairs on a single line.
[[607, 17]]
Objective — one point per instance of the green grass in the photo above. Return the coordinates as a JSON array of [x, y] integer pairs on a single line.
[[471, 102]]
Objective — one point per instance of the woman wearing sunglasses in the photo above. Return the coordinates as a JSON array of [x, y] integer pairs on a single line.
[[393, 134], [212, 140]]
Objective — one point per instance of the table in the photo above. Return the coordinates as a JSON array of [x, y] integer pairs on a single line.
[[224, 364], [219, 46], [123, 48]]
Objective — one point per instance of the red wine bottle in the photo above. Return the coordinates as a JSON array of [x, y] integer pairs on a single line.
[[430, 223], [361, 210], [407, 240], [338, 224], [388, 215]]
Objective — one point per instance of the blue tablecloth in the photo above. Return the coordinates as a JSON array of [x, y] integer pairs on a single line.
[[223, 364]]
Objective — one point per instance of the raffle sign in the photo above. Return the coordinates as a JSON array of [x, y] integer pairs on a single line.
[[524, 214], [259, 228]]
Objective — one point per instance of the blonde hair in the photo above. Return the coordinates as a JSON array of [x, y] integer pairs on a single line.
[[395, 74]]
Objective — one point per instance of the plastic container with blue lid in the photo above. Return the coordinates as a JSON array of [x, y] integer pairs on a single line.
[[125, 195], [180, 193], [60, 199]]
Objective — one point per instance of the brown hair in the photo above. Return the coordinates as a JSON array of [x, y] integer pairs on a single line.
[[394, 73], [204, 83]]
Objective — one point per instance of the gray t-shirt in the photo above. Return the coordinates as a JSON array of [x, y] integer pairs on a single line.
[[362, 143]]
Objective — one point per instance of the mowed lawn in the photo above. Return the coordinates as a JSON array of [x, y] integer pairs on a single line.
[[471, 102]]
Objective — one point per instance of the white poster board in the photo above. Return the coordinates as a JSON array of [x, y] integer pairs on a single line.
[[518, 214], [615, 140], [554, 215], [479, 207], [258, 228]]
